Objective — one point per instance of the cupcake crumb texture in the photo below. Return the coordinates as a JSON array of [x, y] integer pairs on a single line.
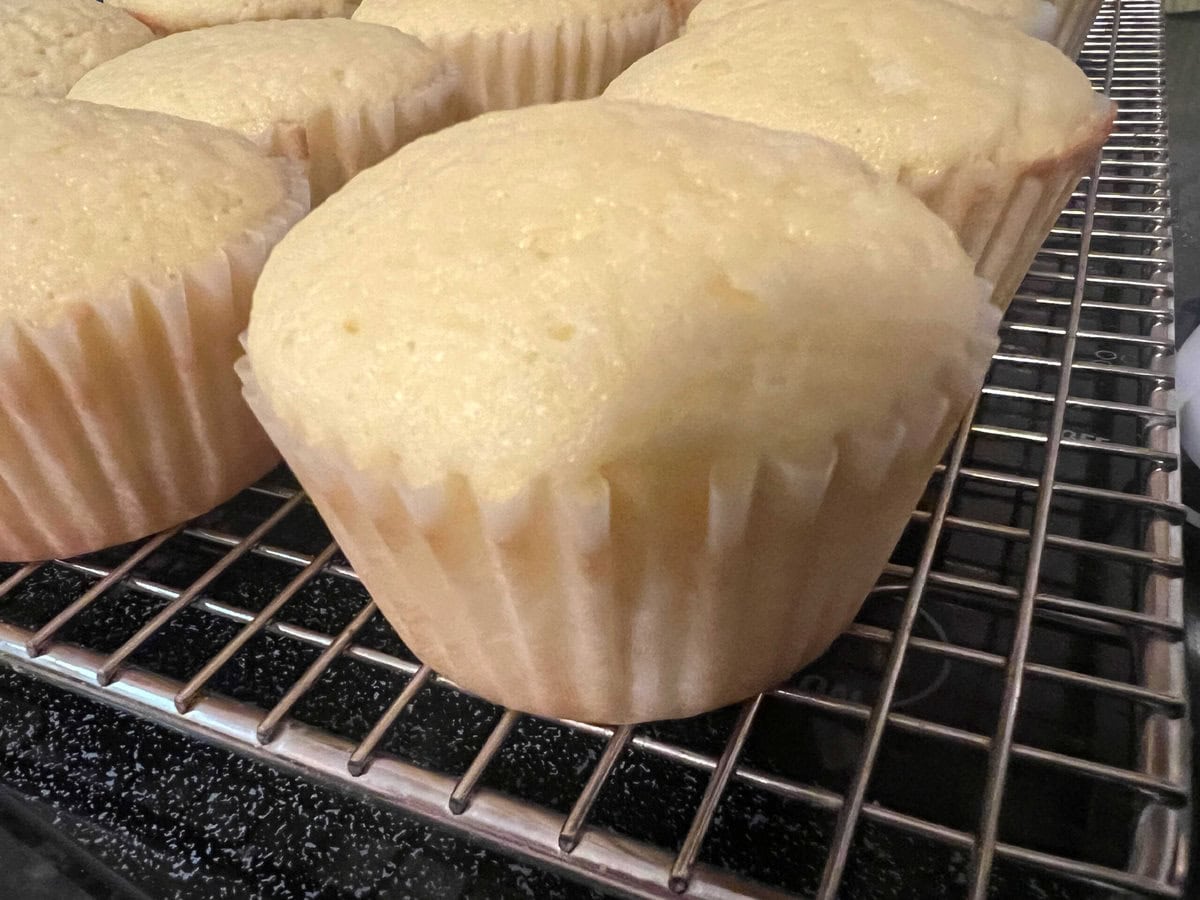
[[95, 195], [48, 45]]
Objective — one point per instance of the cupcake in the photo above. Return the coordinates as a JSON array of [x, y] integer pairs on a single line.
[[521, 52], [624, 407], [49, 44], [338, 94], [169, 16], [990, 127], [1064, 23], [135, 240]]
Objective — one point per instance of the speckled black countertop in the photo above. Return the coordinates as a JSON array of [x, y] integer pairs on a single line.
[[95, 803]]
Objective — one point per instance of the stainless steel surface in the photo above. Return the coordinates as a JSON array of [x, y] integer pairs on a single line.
[[117, 658], [1089, 339], [900, 640], [568, 837], [685, 861]]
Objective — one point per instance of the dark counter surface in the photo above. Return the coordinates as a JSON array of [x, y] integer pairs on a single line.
[[97, 804]]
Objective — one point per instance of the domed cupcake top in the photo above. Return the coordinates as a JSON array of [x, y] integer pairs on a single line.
[[254, 75], [448, 16], [95, 195], [553, 289], [49, 44], [915, 87], [167, 16]]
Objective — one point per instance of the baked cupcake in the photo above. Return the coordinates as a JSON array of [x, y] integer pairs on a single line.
[[338, 94], [519, 52], [49, 44], [169, 16], [990, 127], [135, 241], [1064, 23], [624, 407]]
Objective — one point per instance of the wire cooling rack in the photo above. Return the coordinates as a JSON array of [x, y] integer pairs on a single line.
[[1005, 718]]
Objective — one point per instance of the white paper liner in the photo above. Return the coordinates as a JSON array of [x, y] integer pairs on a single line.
[[1075, 18], [124, 417], [654, 592], [337, 144], [1002, 221], [574, 60], [683, 9]]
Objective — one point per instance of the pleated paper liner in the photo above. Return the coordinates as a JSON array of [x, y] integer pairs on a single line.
[[652, 591], [1003, 218], [337, 144], [683, 9], [573, 60], [124, 416]]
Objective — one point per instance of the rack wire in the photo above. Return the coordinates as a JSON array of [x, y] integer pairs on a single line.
[[1006, 717]]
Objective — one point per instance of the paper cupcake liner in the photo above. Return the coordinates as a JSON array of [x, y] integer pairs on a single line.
[[125, 416], [1003, 223], [683, 9], [1075, 18], [338, 144], [654, 592], [574, 60]]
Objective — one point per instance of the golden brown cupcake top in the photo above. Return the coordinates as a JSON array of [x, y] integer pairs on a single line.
[[553, 289], [167, 16], [47, 45], [95, 196], [916, 87], [253, 76]]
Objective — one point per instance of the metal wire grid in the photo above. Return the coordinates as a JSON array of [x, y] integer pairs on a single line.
[[1102, 281]]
